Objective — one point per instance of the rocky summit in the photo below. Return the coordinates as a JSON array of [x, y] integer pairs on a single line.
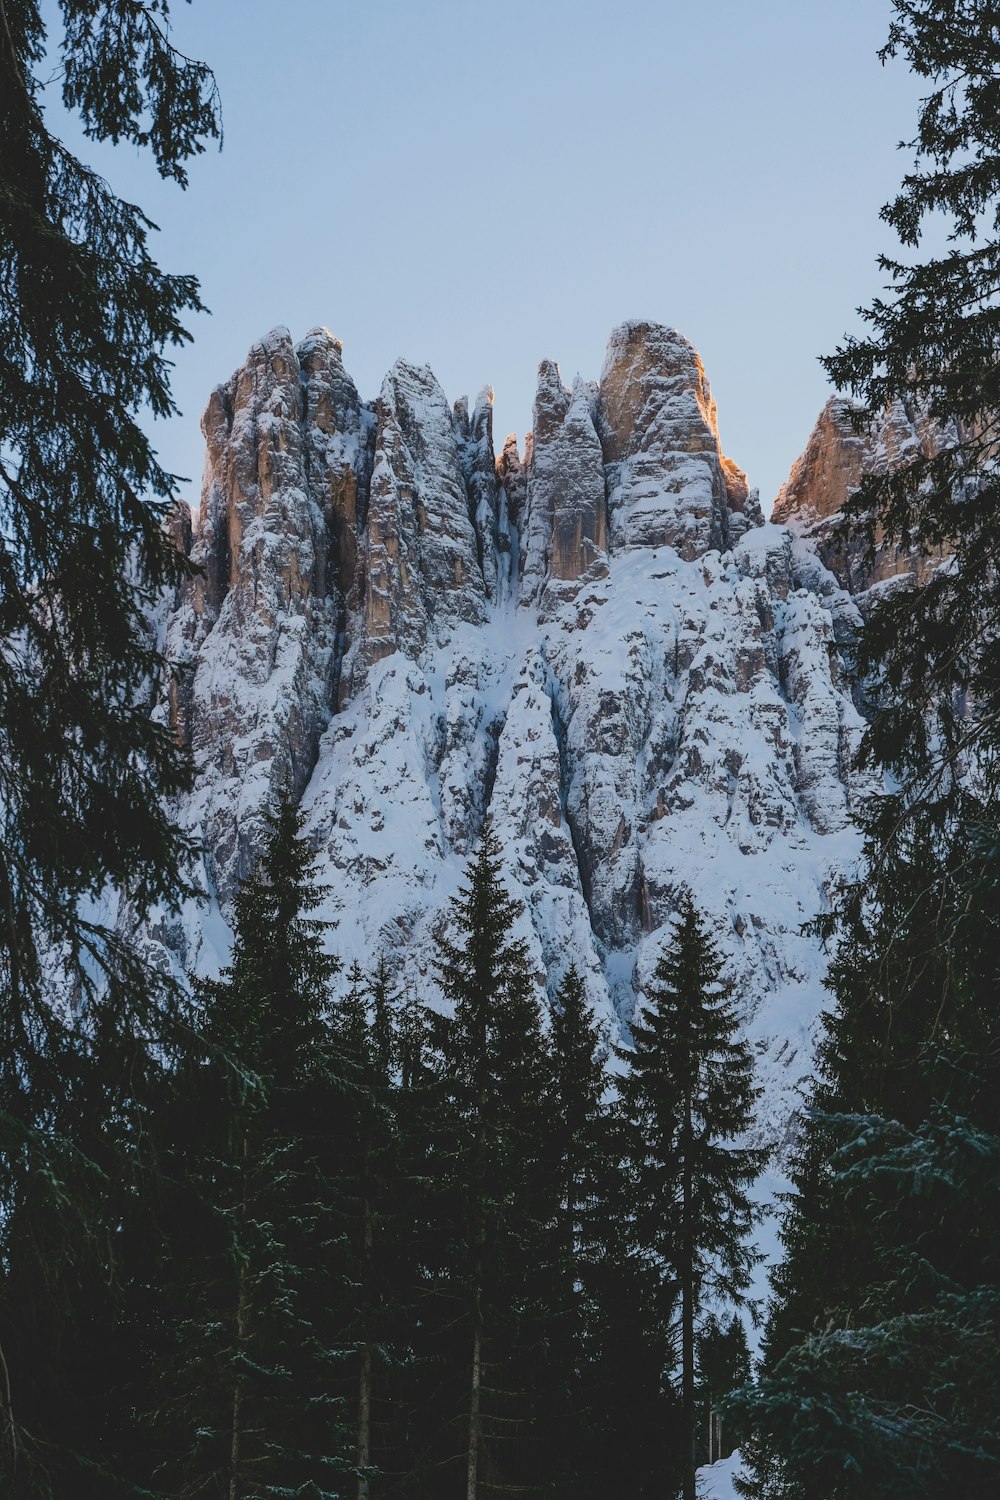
[[594, 638]]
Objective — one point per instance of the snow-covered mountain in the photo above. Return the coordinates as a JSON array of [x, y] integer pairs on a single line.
[[596, 639]]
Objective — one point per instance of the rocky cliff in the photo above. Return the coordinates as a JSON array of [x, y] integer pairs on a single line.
[[595, 638], [840, 451]]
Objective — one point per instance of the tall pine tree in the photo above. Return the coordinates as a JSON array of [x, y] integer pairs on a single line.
[[875, 1381], [255, 1264], [86, 774], [495, 1057], [689, 1093]]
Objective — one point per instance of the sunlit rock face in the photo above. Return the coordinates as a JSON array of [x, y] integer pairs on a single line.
[[596, 640], [255, 635], [667, 480], [837, 456]]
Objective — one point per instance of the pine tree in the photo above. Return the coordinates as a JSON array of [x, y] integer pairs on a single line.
[[494, 1055], [722, 1364], [608, 1416], [77, 1279], [255, 1265], [85, 772], [875, 1379], [374, 1196], [423, 1361], [928, 654], [689, 1093], [577, 1163], [85, 315]]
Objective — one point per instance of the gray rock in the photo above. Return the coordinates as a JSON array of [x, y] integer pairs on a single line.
[[668, 483], [830, 469], [566, 524], [599, 642]]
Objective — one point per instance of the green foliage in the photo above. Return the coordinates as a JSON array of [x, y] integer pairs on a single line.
[[905, 1394], [722, 1363], [85, 315], [930, 653], [875, 1377], [496, 1069], [255, 1267], [85, 770], [690, 1092]]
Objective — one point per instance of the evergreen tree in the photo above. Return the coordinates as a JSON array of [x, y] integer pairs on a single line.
[[874, 1380], [577, 1138], [256, 1266], [577, 1164], [607, 1412], [78, 1270], [85, 772], [689, 1093], [370, 1162], [928, 654], [722, 1363], [495, 1059], [424, 1357], [85, 316]]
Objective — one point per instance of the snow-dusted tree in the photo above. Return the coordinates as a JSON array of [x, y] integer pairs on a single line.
[[876, 1380]]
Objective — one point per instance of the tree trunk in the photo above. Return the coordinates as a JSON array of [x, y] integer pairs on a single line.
[[365, 1374], [236, 1433], [688, 1411], [364, 1419], [472, 1473]]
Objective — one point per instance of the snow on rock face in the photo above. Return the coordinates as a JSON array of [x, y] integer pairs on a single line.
[[565, 517], [831, 467], [257, 633], [420, 555], [667, 480], [599, 644]]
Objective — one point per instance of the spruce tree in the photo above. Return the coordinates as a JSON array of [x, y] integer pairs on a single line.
[[722, 1364], [577, 1134], [86, 773], [689, 1093], [578, 1164], [369, 1164], [423, 1361], [495, 1059], [875, 1380], [78, 1270], [928, 653], [255, 1266], [607, 1412]]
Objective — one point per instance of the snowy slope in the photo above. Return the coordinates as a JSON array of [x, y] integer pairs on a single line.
[[597, 641]]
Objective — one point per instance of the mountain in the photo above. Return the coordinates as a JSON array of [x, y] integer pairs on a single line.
[[838, 453], [596, 639]]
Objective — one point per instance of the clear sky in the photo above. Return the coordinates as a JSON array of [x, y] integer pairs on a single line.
[[478, 187]]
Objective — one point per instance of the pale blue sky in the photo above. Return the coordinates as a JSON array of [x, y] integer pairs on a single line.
[[478, 187]]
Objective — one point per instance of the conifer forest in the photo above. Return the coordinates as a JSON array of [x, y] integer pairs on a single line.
[[418, 1219]]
